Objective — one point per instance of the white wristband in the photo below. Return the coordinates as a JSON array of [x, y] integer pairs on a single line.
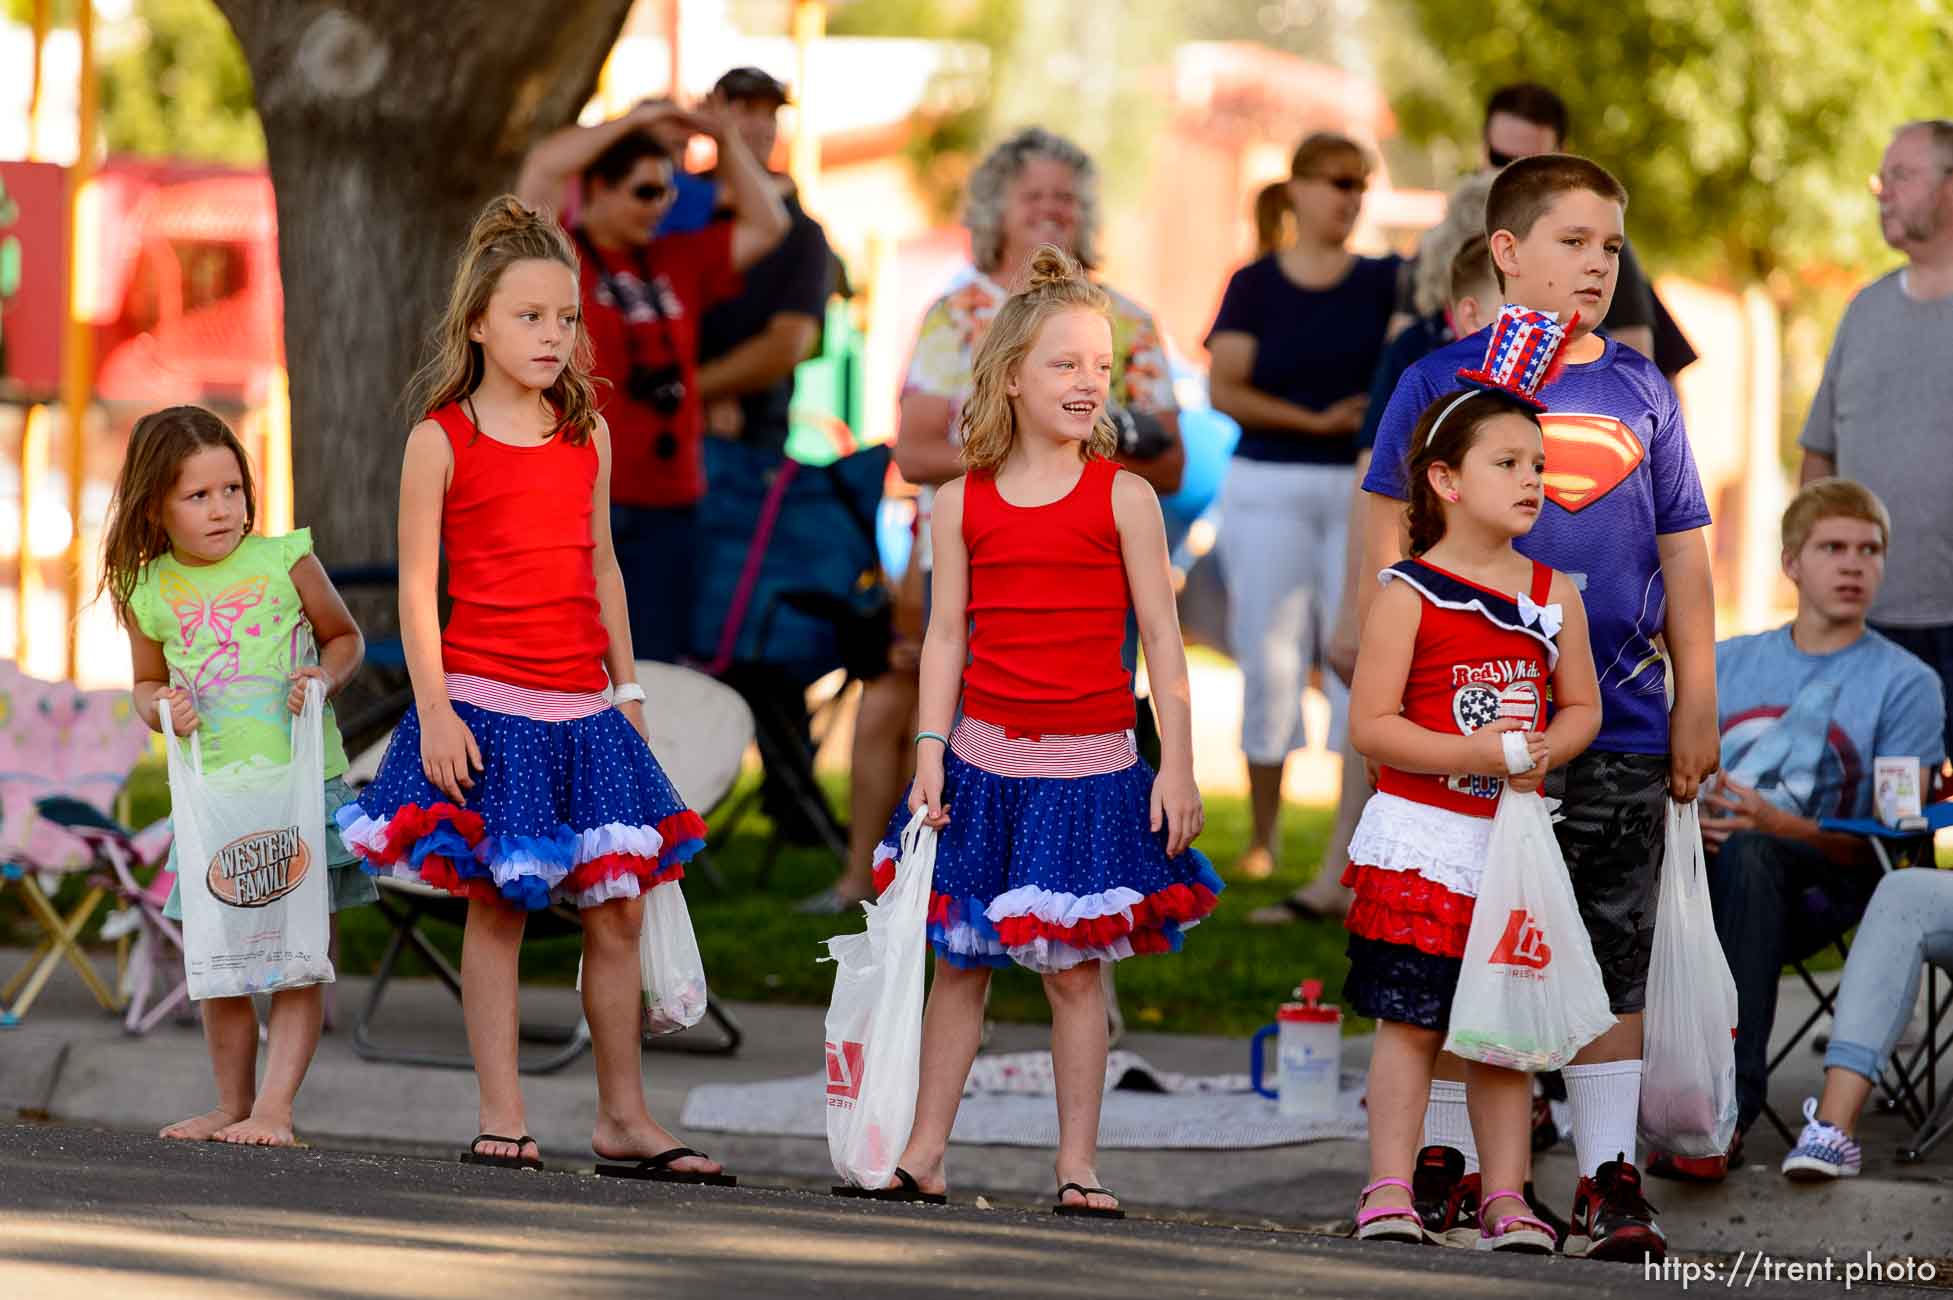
[[626, 693], [1518, 760]]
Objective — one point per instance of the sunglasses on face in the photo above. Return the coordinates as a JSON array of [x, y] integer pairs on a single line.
[[1498, 159], [1344, 184], [650, 192]]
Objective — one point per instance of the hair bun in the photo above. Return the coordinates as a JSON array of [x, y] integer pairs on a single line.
[[1053, 265], [505, 215]]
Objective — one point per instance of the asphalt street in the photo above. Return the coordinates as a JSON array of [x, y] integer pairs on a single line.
[[91, 1214]]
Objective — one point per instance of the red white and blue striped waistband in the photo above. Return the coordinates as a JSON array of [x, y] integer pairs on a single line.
[[990, 747], [525, 701]]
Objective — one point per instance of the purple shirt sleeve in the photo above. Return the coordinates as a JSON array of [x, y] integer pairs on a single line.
[[1415, 391], [1679, 501]]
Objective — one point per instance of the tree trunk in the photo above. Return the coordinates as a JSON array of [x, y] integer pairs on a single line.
[[388, 124]]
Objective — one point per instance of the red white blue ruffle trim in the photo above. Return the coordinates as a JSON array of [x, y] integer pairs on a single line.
[[1046, 931], [449, 848]]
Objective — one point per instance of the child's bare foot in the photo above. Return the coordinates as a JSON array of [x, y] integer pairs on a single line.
[[641, 1141], [263, 1127], [1088, 1177], [928, 1175], [510, 1150], [201, 1128], [1258, 863]]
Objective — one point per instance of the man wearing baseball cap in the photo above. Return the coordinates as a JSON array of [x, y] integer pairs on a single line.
[[750, 344]]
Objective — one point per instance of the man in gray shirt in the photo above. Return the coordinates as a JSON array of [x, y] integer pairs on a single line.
[[1883, 414]]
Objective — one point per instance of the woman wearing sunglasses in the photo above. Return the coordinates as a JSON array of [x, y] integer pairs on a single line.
[[1293, 349], [643, 295]]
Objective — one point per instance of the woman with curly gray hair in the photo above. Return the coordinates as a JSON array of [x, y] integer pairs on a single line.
[[1034, 188]]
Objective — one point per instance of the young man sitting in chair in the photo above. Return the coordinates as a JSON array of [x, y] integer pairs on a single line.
[[1804, 709]]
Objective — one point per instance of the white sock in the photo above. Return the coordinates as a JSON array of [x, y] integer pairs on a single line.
[[1606, 1103], [1448, 1123]]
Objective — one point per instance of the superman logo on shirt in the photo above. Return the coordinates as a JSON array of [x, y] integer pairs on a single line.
[[1587, 456]]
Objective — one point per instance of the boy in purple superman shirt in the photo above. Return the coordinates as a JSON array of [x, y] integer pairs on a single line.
[[1624, 517]]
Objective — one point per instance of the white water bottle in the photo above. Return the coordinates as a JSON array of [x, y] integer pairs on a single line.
[[1309, 1052]]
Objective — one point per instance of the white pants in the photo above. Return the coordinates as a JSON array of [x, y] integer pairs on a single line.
[[1283, 530]]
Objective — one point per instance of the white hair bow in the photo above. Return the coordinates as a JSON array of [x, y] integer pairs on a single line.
[[1547, 618]]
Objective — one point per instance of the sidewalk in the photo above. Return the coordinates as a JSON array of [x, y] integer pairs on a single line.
[[71, 1064]]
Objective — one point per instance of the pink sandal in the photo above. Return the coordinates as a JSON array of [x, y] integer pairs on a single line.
[[1398, 1223], [1521, 1233]]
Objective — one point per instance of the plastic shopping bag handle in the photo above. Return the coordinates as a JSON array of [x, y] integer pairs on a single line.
[[1685, 823], [308, 727], [196, 742], [913, 831]]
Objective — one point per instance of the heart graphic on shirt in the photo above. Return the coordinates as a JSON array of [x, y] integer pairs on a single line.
[[256, 629], [1478, 703], [1587, 456]]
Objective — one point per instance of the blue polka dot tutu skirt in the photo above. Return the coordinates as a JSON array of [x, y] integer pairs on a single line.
[[576, 812], [1048, 872]]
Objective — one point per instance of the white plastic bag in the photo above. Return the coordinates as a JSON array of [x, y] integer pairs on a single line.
[[251, 862], [1688, 1071], [1530, 993], [667, 954], [874, 1023], [667, 959]]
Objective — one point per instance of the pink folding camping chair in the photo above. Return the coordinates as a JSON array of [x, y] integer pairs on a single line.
[[151, 974], [59, 746]]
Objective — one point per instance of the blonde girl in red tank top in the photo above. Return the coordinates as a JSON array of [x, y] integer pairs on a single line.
[[1459, 649], [1058, 849], [523, 777]]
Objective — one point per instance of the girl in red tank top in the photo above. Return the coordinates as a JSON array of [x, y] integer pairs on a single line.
[[1469, 645], [1058, 849], [523, 775]]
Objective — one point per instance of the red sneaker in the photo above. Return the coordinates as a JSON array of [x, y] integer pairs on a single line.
[[1687, 1169], [1446, 1196], [1611, 1219], [1696, 1169]]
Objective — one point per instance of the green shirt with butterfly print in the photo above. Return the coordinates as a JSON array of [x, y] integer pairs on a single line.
[[233, 633]]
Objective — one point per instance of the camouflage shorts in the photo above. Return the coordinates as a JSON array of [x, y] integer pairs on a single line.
[[1614, 818]]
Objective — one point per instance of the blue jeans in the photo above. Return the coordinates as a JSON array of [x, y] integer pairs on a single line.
[[1909, 921], [1776, 901], [657, 552]]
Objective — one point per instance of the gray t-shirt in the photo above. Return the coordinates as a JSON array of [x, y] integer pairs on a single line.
[[1884, 415]]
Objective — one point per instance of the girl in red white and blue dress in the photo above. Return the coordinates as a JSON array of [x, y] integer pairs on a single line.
[[1059, 848], [1464, 648], [522, 776]]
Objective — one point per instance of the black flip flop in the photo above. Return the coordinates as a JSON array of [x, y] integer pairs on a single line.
[[1086, 1211], [657, 1169], [906, 1191], [473, 1155]]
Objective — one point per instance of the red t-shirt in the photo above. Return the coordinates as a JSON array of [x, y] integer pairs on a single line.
[[516, 530], [1047, 605], [655, 458]]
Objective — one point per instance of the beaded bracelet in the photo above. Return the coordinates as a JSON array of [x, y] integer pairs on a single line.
[[921, 736]]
